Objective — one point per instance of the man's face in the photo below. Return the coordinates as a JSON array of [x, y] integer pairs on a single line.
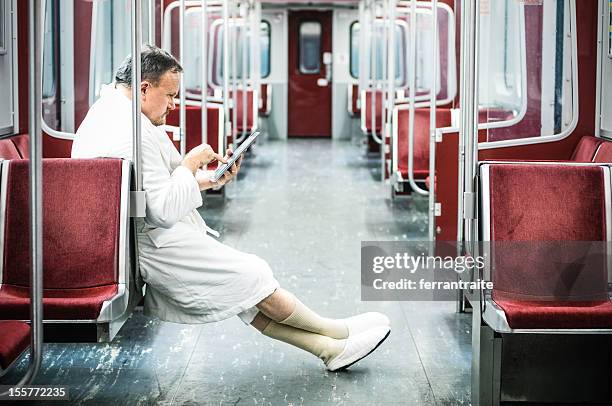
[[158, 100]]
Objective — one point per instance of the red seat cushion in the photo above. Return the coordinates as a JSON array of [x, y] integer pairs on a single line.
[[548, 241], [557, 315], [13, 341], [604, 153], [59, 304], [82, 215], [585, 149]]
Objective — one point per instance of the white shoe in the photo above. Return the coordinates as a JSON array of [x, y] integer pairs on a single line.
[[365, 321], [358, 347]]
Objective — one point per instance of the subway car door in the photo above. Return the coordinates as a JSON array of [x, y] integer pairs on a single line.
[[310, 81]]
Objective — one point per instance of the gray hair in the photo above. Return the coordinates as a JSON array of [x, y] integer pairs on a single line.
[[155, 62]]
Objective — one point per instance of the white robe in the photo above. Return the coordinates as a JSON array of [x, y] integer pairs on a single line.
[[190, 276]]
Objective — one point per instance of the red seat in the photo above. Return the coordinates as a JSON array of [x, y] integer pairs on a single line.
[[14, 340], [194, 126], [245, 122], [8, 150], [83, 216], [604, 153], [548, 240], [421, 139], [14, 147], [367, 97], [557, 315], [22, 143], [353, 99], [59, 304], [585, 149]]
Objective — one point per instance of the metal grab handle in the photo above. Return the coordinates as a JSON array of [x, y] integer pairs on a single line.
[[412, 97], [432, 122]]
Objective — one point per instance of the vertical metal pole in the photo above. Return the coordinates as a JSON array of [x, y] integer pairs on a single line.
[[204, 71], [390, 77], [226, 40], [152, 22], [234, 71], [412, 91], [374, 97], [136, 79], [243, 42], [256, 59], [182, 107], [362, 49], [385, 72], [433, 97], [384, 91], [468, 127], [36, 214], [471, 140]]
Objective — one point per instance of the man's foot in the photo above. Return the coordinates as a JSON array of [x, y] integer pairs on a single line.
[[357, 347], [365, 321]]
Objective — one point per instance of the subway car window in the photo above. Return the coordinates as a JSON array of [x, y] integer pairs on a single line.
[[243, 38], [6, 70], [379, 37], [265, 48], [527, 70], [310, 47], [111, 25], [3, 16], [50, 79]]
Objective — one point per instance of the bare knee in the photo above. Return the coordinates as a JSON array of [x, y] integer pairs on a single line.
[[278, 306]]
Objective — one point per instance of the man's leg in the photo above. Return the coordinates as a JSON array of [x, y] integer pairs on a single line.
[[319, 345], [284, 308]]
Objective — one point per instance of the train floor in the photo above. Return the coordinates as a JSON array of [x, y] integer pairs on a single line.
[[304, 205]]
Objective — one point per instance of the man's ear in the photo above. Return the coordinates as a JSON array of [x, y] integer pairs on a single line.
[[144, 87]]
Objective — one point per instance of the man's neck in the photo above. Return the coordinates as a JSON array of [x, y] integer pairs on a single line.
[[127, 91]]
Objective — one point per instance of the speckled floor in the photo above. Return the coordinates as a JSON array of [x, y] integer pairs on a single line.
[[303, 205]]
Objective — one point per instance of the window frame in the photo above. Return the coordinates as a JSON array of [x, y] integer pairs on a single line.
[[398, 23], [216, 63], [572, 32], [452, 85]]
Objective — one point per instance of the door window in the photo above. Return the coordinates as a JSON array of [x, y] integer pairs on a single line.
[[310, 47]]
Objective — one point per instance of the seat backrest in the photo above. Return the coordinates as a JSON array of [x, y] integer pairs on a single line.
[[367, 97], [8, 150], [193, 133], [15, 147], [604, 153], [401, 123], [265, 97], [547, 224], [84, 225], [585, 149]]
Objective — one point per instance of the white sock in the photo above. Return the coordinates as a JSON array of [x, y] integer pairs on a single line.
[[319, 345], [304, 318]]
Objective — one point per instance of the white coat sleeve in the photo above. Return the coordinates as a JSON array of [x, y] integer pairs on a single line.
[[170, 196]]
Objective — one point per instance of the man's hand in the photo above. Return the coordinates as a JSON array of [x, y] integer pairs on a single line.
[[200, 157], [204, 178]]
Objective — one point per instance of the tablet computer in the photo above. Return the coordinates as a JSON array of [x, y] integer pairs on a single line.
[[239, 151]]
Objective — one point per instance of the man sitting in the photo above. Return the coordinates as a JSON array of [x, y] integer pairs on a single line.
[[191, 277]]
